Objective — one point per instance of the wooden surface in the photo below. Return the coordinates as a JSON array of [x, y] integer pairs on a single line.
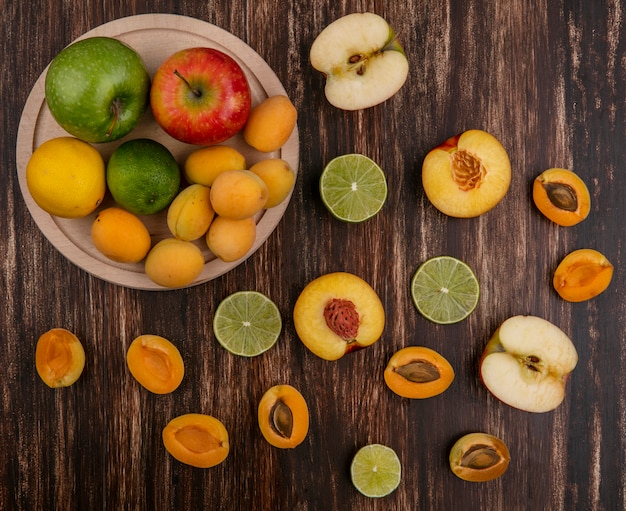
[[547, 78]]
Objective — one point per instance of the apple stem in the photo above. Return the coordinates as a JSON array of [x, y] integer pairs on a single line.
[[195, 91], [115, 110]]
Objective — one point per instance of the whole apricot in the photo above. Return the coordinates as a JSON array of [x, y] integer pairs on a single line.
[[174, 263], [238, 194], [582, 275], [155, 363], [283, 417], [418, 372], [479, 457], [197, 439], [561, 196], [120, 235], [203, 165], [279, 177], [190, 213], [59, 357], [231, 239], [338, 313], [270, 124]]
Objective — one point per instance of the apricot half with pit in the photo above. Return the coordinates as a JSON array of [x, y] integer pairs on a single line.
[[337, 313], [155, 363], [283, 417], [59, 357], [418, 372], [561, 196], [197, 439], [582, 274], [479, 457], [467, 175]]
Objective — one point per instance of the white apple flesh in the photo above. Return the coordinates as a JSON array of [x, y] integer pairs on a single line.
[[527, 362], [362, 60]]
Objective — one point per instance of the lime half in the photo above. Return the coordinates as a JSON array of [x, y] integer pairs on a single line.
[[376, 470], [353, 187], [247, 323], [445, 290]]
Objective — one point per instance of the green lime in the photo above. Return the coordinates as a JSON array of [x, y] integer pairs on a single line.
[[445, 290], [247, 323], [143, 176], [353, 187], [376, 470]]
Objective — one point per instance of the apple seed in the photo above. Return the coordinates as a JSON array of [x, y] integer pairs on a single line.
[[419, 371], [342, 318], [562, 195], [282, 419], [467, 170]]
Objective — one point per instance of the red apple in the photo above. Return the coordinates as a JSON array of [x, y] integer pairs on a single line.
[[200, 96]]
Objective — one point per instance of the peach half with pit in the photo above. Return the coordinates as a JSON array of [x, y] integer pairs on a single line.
[[467, 175], [338, 313]]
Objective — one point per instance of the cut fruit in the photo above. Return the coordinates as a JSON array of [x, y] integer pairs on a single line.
[[376, 470], [247, 323], [353, 187], [445, 290]]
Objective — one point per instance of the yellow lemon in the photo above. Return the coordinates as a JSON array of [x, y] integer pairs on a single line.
[[66, 177]]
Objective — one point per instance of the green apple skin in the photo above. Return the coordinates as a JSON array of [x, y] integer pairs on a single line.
[[97, 89]]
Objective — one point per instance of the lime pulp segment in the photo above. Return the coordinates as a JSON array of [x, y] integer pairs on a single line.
[[445, 290], [353, 187], [376, 470], [247, 323]]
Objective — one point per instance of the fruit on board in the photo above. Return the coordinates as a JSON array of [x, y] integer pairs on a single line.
[[279, 177], [238, 194], [479, 457], [196, 439], [362, 60], [174, 263], [467, 175], [338, 313], [527, 362], [66, 177], [97, 89], [200, 96], [143, 176], [561, 196], [203, 165], [418, 372], [155, 363], [59, 358], [120, 235], [582, 274], [270, 124], [190, 213], [231, 239], [283, 416]]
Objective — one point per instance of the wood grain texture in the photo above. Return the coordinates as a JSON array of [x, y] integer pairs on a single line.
[[547, 78]]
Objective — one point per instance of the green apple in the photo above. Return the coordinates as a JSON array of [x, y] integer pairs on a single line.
[[97, 89]]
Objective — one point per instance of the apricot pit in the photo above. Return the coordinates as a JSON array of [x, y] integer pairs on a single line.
[[59, 358], [418, 372], [582, 274], [283, 417], [561, 196], [479, 457], [155, 363]]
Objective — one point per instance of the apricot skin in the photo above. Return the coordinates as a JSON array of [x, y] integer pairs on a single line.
[[270, 124], [231, 239], [174, 263], [238, 194], [432, 373], [155, 363], [196, 439], [290, 397], [59, 358], [561, 196], [582, 274]]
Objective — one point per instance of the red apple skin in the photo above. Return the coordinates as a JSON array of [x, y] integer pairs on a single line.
[[200, 96]]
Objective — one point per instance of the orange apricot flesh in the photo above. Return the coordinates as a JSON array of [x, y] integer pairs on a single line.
[[283, 417], [582, 275], [196, 439], [155, 363], [479, 457], [561, 196], [418, 372], [59, 358]]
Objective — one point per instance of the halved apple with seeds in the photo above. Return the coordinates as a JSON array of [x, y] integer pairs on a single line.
[[467, 175], [338, 313]]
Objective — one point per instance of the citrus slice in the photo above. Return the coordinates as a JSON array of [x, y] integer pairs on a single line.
[[376, 470], [247, 323], [353, 187], [445, 290]]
